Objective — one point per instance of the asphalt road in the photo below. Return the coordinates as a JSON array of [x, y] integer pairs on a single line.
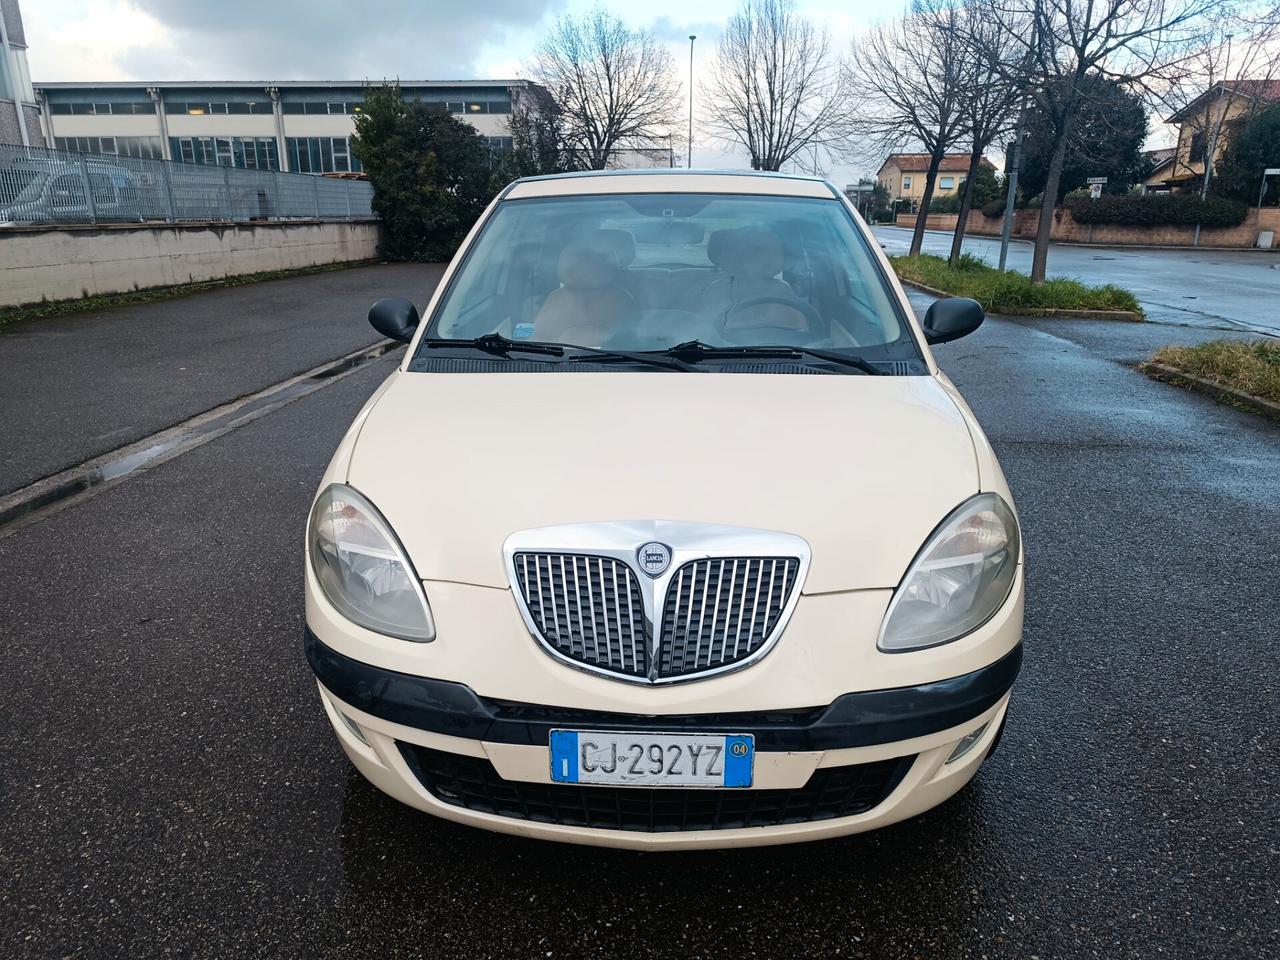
[[170, 787], [126, 372], [1234, 290]]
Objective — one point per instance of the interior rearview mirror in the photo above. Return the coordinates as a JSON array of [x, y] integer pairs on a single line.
[[952, 319], [394, 318]]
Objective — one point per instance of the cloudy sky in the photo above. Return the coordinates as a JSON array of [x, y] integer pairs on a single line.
[[366, 39]]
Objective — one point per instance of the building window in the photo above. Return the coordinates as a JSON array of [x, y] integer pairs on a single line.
[[197, 108], [145, 147], [947, 183], [499, 144], [253, 153], [906, 183], [322, 155], [1197, 147], [109, 108]]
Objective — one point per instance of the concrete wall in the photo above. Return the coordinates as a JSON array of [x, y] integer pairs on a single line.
[[61, 263], [1066, 230]]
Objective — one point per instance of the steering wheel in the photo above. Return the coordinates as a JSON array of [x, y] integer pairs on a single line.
[[786, 335]]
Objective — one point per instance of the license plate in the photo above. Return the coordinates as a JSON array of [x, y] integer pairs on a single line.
[[652, 759]]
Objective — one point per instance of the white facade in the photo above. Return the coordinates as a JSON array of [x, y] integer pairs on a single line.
[[302, 127]]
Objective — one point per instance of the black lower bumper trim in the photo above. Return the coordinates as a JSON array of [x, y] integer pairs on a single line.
[[852, 720]]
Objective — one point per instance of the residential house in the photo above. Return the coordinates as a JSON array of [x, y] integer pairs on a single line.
[[903, 175], [1198, 120], [1161, 161]]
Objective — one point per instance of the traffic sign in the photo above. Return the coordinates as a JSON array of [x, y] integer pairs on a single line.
[[1096, 180]]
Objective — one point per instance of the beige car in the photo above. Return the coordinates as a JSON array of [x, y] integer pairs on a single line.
[[668, 532]]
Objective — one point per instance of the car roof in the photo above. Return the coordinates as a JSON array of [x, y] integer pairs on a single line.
[[667, 180]]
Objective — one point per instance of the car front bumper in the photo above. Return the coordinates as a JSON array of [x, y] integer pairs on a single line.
[[883, 754]]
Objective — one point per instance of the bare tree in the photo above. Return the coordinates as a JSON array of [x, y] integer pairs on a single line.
[[775, 84], [615, 87], [906, 78], [1230, 76], [1134, 42], [992, 82]]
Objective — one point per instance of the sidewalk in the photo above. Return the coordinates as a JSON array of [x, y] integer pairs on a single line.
[[74, 387]]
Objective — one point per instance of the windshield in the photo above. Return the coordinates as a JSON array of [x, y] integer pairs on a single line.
[[647, 272]]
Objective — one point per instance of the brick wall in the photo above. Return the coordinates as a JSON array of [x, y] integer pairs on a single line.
[[1066, 230]]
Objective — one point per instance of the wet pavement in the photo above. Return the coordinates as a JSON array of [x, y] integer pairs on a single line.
[[170, 786], [1231, 290], [126, 372]]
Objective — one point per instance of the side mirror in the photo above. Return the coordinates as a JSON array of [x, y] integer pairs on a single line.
[[952, 319], [394, 318]]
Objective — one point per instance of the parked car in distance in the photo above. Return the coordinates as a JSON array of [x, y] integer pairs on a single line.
[[668, 532], [40, 190]]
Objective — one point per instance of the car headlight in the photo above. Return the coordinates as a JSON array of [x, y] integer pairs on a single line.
[[960, 577], [362, 568]]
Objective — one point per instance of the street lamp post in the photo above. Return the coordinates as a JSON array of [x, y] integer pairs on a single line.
[[689, 163]]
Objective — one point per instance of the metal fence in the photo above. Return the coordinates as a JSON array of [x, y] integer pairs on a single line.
[[61, 186]]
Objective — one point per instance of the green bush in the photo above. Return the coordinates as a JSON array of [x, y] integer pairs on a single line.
[[1158, 210], [1010, 292], [432, 174], [1252, 146], [947, 204], [993, 208]]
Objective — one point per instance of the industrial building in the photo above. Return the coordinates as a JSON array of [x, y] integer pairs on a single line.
[[296, 126], [19, 117]]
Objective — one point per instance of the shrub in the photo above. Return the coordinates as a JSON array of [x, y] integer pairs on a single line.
[[1010, 292], [993, 208], [947, 204], [431, 174], [1158, 210]]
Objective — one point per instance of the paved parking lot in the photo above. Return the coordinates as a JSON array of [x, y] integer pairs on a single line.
[[1227, 289], [170, 786]]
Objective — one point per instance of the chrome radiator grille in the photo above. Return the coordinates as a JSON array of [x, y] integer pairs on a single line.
[[714, 612], [722, 610], [588, 608]]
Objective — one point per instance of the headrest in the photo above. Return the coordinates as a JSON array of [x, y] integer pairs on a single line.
[[719, 244], [620, 242], [584, 268], [754, 254]]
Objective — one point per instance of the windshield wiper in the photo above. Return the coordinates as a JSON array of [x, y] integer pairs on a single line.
[[695, 350], [498, 345], [501, 346], [662, 359]]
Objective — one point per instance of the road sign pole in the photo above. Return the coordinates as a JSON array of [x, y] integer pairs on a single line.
[[1006, 228]]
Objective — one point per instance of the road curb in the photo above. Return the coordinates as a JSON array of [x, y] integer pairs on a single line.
[[1167, 374], [1127, 316]]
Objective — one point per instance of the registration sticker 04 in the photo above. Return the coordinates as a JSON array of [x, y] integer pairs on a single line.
[[627, 759]]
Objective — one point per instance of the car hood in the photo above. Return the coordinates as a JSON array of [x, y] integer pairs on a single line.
[[863, 468]]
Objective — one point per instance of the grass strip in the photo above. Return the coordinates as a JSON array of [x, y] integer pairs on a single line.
[[1248, 366], [1010, 292], [62, 308]]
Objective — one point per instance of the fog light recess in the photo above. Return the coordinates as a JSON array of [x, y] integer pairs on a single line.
[[353, 727], [966, 744]]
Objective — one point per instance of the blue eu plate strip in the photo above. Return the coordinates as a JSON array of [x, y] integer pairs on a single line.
[[564, 756], [737, 761]]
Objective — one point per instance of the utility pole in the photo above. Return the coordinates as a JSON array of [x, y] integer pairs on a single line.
[[1006, 228], [692, 37]]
